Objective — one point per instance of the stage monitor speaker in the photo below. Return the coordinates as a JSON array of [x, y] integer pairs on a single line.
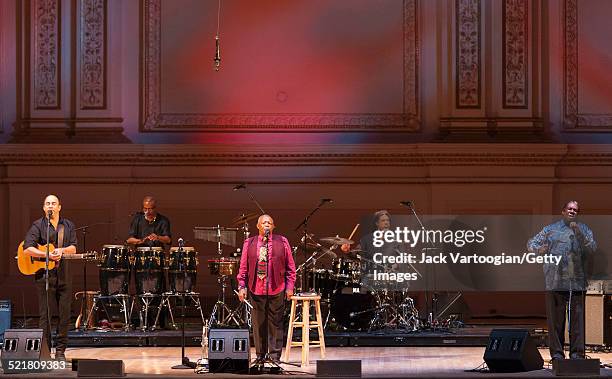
[[576, 367], [24, 345], [512, 350], [97, 368], [5, 317], [340, 368], [228, 350]]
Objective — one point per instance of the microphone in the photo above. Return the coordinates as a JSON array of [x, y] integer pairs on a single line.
[[49, 213], [266, 232], [239, 186], [217, 58], [406, 203], [323, 201], [352, 314], [181, 242]]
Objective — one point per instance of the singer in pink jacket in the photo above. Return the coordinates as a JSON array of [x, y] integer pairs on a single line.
[[267, 273]]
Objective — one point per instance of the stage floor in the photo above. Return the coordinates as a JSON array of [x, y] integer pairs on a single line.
[[388, 362]]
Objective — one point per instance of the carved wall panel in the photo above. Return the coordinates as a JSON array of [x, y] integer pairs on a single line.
[[515, 53], [157, 115], [586, 97], [468, 53], [46, 26], [92, 59]]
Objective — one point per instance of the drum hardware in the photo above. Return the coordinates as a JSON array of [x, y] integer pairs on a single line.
[[336, 240], [123, 300], [222, 314], [304, 226], [147, 300]]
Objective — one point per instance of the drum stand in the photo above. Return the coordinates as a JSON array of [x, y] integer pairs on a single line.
[[165, 302], [222, 315], [146, 299], [122, 300]]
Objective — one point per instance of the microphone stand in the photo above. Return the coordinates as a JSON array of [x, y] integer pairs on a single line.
[[434, 299], [49, 214], [304, 223], [185, 363], [251, 196]]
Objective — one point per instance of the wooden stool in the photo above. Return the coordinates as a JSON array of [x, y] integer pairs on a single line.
[[305, 324]]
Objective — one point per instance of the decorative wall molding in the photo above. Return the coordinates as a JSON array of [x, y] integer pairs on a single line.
[[468, 53], [152, 119], [93, 53], [46, 24], [573, 119], [515, 54], [390, 155]]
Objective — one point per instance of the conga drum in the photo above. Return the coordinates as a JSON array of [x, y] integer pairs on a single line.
[[114, 263], [148, 270], [182, 269]]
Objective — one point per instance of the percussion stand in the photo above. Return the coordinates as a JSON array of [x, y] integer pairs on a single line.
[[304, 224], [185, 363]]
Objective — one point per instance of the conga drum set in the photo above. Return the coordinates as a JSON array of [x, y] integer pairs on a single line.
[[150, 266]]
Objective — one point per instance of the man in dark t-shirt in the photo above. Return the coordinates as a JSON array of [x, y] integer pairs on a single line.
[[60, 281], [149, 228]]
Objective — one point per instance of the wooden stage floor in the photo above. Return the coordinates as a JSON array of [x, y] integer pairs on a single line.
[[387, 362]]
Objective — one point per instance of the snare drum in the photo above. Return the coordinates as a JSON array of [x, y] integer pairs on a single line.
[[223, 266], [114, 263], [148, 267], [182, 268]]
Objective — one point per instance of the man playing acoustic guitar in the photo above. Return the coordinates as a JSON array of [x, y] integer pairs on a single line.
[[60, 281]]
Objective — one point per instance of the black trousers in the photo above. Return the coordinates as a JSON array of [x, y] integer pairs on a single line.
[[60, 297], [556, 306], [275, 332]]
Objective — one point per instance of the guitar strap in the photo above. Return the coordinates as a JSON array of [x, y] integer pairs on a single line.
[[60, 238], [60, 235]]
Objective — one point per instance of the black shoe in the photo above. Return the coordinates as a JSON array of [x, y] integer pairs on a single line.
[[60, 355]]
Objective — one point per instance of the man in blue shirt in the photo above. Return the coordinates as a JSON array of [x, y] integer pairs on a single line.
[[566, 282]]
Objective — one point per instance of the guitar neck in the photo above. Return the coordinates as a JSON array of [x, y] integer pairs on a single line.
[[77, 256]]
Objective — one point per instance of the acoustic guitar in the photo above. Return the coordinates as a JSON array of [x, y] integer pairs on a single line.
[[28, 265]]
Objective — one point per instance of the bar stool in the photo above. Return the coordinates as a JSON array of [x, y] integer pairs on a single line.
[[305, 324]]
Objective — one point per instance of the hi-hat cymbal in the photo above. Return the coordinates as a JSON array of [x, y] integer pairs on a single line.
[[244, 218], [336, 240]]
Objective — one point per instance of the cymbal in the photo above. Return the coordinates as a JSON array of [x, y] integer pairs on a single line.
[[336, 240], [244, 218]]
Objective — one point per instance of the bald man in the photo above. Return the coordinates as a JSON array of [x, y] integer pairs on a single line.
[[267, 274], [149, 228], [60, 281]]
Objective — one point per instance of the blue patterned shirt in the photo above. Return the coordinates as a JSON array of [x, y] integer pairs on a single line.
[[562, 241]]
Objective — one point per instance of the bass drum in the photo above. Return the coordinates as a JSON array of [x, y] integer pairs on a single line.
[[353, 308], [114, 263]]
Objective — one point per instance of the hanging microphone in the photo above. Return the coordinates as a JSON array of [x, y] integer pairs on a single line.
[[239, 186], [217, 59], [406, 203]]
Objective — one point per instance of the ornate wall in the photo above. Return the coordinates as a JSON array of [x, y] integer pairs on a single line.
[[391, 71]]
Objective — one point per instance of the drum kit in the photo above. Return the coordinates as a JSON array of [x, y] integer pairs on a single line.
[[351, 305]]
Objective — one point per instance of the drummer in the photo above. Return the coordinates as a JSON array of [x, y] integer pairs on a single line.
[[382, 221], [149, 228]]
